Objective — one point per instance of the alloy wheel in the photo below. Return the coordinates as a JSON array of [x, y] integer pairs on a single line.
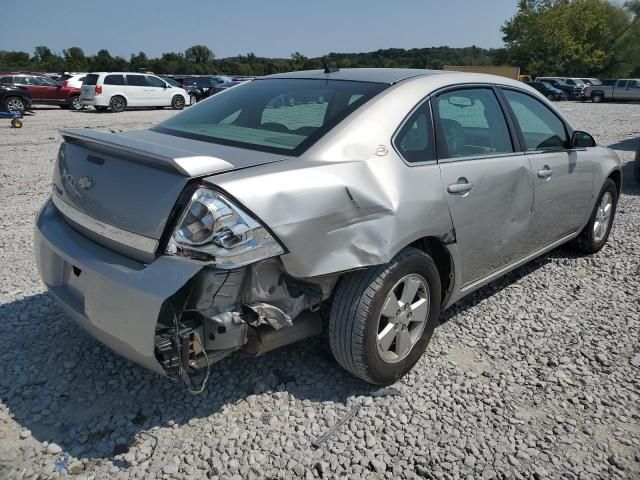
[[403, 318], [603, 217], [15, 105]]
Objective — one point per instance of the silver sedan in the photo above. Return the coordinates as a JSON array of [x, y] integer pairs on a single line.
[[362, 201]]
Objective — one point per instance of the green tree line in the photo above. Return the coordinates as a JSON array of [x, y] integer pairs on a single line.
[[545, 37], [199, 59]]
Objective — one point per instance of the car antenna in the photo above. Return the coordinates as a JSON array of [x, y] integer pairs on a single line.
[[327, 68]]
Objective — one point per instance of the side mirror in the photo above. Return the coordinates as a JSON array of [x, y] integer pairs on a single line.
[[581, 139]]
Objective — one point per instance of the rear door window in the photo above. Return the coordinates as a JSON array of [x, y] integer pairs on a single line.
[[414, 140], [6, 80], [136, 80], [471, 123], [114, 80], [541, 128], [621, 83]]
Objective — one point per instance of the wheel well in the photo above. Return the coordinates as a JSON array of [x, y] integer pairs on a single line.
[[616, 176], [438, 251]]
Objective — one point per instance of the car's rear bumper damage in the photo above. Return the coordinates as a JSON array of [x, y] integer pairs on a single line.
[[174, 315]]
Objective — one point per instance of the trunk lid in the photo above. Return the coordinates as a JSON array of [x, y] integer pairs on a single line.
[[131, 181]]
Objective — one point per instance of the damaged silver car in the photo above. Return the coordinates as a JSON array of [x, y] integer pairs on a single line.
[[361, 201]]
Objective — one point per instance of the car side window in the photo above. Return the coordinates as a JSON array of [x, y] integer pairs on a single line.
[[541, 128], [621, 83], [155, 82], [570, 82], [21, 80], [136, 80], [6, 80], [414, 141], [471, 123], [114, 80], [47, 82]]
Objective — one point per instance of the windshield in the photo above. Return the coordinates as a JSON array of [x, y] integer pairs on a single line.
[[272, 115]]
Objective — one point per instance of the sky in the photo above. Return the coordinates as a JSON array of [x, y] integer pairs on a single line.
[[269, 28]]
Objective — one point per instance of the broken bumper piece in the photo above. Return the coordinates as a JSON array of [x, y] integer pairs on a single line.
[[173, 316]]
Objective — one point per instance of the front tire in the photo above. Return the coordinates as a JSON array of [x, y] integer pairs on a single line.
[[177, 102], [596, 232], [117, 104], [14, 104], [597, 98], [193, 99], [382, 318]]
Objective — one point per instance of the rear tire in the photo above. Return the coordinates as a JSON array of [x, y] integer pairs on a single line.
[[636, 166], [177, 102], [193, 99], [75, 104], [360, 317], [117, 104], [597, 98], [596, 232]]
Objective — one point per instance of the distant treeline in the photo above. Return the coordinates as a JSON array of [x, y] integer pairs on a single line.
[[545, 37], [199, 59]]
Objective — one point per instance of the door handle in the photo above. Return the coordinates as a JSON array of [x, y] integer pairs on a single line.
[[463, 186], [546, 172]]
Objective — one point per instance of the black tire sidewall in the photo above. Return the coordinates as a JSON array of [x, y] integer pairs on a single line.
[[117, 110], [386, 373], [636, 166], [174, 101]]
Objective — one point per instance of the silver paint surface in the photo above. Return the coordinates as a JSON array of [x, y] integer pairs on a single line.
[[348, 202]]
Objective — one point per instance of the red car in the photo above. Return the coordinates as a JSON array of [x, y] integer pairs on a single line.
[[43, 90]]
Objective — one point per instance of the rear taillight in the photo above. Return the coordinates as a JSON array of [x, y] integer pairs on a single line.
[[98, 89]]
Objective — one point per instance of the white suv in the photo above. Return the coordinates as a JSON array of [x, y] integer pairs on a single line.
[[119, 90]]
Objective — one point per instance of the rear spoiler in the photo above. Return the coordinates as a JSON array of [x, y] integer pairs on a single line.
[[159, 156]]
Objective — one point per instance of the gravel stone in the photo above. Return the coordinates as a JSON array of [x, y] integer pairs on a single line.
[[534, 375]]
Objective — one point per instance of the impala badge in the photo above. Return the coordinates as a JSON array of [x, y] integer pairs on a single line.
[[86, 183]]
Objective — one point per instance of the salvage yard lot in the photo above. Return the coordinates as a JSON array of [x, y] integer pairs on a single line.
[[537, 373]]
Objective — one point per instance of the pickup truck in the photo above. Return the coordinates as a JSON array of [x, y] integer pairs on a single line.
[[623, 89]]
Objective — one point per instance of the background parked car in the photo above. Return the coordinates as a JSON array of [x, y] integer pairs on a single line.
[[548, 90], [198, 87], [223, 86], [120, 90], [572, 87], [73, 81], [43, 90], [591, 81], [623, 89], [13, 99]]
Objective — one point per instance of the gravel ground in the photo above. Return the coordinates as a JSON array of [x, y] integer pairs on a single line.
[[535, 376]]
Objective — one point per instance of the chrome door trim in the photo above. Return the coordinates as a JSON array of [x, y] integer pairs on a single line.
[[518, 263], [118, 235]]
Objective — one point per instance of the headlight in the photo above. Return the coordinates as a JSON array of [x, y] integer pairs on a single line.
[[215, 230]]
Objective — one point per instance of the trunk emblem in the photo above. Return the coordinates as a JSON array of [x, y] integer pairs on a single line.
[[86, 183]]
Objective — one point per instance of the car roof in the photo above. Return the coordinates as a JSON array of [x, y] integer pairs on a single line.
[[375, 75]]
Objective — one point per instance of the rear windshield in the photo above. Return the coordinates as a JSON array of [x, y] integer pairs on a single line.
[[272, 115], [91, 79]]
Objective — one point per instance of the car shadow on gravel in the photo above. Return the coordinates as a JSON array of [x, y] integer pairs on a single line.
[[68, 389]]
